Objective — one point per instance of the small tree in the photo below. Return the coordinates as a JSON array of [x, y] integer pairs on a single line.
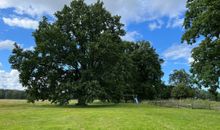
[[180, 77], [182, 82], [181, 91]]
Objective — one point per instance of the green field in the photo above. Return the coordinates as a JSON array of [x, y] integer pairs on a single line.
[[18, 115]]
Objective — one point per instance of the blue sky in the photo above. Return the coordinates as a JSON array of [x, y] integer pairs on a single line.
[[154, 20]]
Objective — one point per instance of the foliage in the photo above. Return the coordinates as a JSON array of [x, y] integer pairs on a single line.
[[179, 77], [206, 65], [165, 91], [202, 21], [145, 70], [203, 94], [12, 94], [74, 55], [218, 97], [181, 91], [81, 55], [181, 81]]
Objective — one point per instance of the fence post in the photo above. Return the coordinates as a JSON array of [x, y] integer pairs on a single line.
[[178, 104]]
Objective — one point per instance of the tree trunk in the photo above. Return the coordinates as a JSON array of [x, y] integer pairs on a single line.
[[81, 101]]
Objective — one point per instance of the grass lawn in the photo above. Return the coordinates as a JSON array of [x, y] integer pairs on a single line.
[[18, 115]]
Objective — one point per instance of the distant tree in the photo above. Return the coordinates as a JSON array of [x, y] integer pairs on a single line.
[[181, 91], [165, 92], [12, 94], [203, 94], [2, 94], [202, 21], [181, 81], [180, 77]]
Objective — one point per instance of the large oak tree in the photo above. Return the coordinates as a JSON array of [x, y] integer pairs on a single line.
[[74, 57], [81, 55]]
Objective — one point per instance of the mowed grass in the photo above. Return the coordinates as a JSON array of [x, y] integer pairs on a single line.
[[19, 115]]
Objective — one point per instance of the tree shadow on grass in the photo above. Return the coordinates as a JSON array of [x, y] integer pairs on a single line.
[[45, 104], [75, 106]]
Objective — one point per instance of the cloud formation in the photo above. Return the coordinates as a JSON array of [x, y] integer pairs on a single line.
[[176, 22], [33, 7], [132, 36], [130, 10], [21, 22], [155, 25], [7, 45], [145, 10], [10, 80], [180, 51]]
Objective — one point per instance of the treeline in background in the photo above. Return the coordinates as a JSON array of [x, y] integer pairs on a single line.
[[173, 92], [166, 93], [12, 94]]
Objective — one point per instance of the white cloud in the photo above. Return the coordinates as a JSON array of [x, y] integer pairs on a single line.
[[9, 45], [21, 22], [132, 36], [155, 25], [130, 10], [10, 80], [6, 45], [177, 22], [0, 65], [190, 60], [33, 7], [145, 10], [31, 48], [180, 51]]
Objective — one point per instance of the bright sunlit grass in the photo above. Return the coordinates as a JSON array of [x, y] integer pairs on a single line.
[[19, 115]]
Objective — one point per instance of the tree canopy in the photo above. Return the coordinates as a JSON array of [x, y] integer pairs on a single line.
[[201, 20], [81, 55], [180, 77], [206, 65], [181, 81], [145, 70], [202, 23]]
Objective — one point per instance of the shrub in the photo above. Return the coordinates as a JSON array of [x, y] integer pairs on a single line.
[[182, 91]]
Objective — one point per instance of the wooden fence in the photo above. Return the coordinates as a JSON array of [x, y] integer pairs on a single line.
[[182, 104]]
